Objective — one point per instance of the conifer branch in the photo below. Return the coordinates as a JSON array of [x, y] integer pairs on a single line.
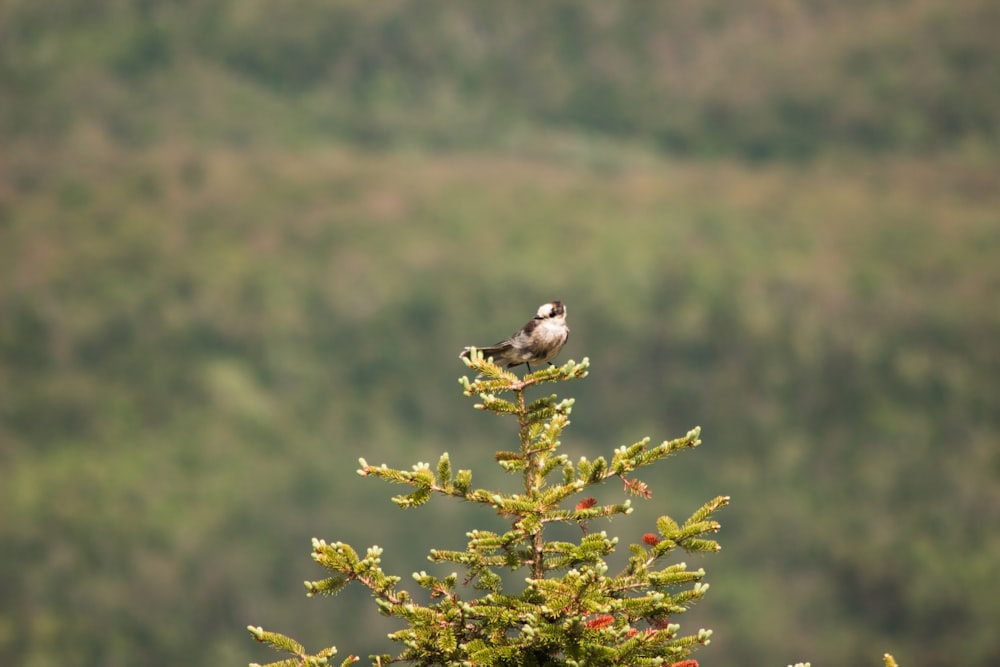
[[572, 611], [280, 642]]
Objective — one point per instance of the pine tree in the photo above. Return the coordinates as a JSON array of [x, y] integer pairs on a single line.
[[570, 610]]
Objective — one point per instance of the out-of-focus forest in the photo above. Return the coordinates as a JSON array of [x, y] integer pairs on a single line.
[[242, 242]]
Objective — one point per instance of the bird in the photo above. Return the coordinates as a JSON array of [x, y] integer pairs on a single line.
[[539, 340]]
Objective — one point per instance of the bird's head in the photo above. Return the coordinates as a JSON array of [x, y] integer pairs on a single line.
[[551, 310]]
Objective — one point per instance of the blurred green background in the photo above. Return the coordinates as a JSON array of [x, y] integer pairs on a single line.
[[242, 242]]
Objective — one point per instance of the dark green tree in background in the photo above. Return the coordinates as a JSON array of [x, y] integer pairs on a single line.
[[570, 610]]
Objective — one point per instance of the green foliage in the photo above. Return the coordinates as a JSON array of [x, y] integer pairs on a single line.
[[571, 610], [203, 293], [282, 643], [761, 80], [180, 327]]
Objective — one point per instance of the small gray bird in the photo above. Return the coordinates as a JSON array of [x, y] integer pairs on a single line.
[[539, 340]]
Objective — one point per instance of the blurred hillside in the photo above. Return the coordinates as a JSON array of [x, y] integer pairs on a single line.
[[763, 79], [242, 244]]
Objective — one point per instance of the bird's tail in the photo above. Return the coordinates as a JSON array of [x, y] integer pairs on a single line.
[[494, 351]]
